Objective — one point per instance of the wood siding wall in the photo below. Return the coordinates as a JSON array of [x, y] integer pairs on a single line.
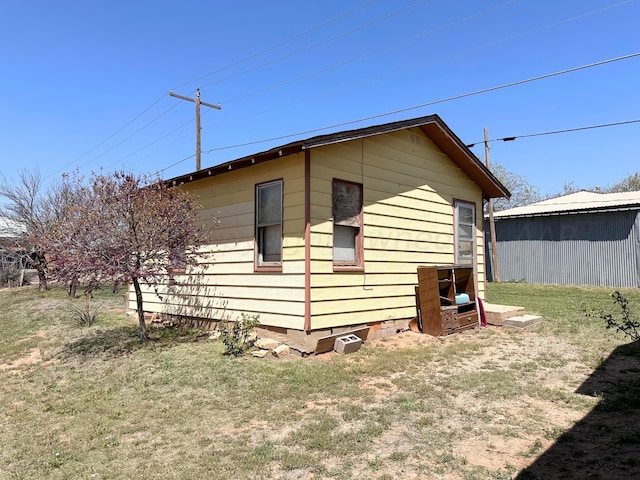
[[229, 286], [409, 188]]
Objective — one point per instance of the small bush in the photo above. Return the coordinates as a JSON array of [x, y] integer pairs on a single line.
[[625, 323], [12, 276], [84, 316], [238, 340]]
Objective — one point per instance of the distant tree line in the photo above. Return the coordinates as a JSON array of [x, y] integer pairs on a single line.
[[524, 193]]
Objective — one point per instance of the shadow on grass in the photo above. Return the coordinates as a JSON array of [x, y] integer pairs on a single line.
[[606, 443], [100, 343]]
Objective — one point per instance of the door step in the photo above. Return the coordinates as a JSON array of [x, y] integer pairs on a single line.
[[510, 316], [497, 314], [522, 321]]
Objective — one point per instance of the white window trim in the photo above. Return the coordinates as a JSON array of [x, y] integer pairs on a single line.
[[457, 224]]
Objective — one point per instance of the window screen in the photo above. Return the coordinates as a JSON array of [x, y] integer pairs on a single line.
[[465, 225], [269, 223], [347, 219]]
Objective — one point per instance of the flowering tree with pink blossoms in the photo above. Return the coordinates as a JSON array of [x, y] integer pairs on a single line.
[[120, 230]]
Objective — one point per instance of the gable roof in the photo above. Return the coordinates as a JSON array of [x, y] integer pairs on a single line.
[[432, 126], [579, 202]]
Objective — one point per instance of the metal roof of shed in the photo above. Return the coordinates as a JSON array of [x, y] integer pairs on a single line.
[[432, 126], [579, 202]]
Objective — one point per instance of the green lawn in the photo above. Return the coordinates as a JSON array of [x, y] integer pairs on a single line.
[[93, 403]]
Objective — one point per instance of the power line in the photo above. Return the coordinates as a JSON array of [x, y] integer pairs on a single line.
[[561, 22], [311, 47], [435, 102], [374, 52], [295, 37], [434, 30], [284, 42], [442, 27], [189, 122], [567, 130], [109, 137], [324, 128], [130, 136]]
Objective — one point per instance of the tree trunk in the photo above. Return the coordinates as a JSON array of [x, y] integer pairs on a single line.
[[41, 267], [141, 323]]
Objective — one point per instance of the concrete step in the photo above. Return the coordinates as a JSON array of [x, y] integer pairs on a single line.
[[497, 314], [522, 321]]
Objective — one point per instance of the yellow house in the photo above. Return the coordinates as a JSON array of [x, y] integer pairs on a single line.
[[323, 235]]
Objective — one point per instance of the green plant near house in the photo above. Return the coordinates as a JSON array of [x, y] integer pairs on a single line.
[[239, 339], [84, 315], [625, 323]]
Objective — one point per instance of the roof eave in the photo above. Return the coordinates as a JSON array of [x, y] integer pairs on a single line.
[[244, 162], [432, 126], [460, 154]]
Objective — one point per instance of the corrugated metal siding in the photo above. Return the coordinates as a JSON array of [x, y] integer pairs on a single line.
[[599, 249]]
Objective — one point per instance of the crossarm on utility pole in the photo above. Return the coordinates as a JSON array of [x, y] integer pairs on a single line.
[[198, 102], [181, 97]]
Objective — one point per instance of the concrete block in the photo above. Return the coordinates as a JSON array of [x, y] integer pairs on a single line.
[[522, 321], [497, 314], [281, 351], [347, 344], [267, 343]]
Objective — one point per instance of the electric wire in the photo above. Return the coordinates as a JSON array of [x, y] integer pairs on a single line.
[[291, 81], [295, 37], [443, 27], [109, 137], [437, 29], [130, 136], [372, 53], [555, 24], [398, 44], [247, 71], [553, 132], [284, 42], [434, 102], [153, 143], [324, 42]]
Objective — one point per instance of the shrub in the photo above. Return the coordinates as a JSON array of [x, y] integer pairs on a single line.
[[625, 323], [12, 276], [239, 339], [84, 316]]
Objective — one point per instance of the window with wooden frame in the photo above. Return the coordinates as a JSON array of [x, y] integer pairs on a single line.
[[269, 225], [346, 207], [465, 231]]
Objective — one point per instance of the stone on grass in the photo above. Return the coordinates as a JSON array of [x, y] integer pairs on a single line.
[[266, 343], [281, 351]]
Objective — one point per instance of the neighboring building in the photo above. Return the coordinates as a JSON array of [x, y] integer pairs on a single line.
[[585, 238], [12, 255], [10, 230], [325, 234]]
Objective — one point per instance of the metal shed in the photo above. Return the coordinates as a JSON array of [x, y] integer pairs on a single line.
[[585, 238]]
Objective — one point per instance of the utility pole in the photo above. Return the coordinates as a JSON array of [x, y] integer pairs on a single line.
[[198, 129], [492, 225]]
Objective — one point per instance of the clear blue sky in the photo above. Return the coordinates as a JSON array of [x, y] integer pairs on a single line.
[[84, 84]]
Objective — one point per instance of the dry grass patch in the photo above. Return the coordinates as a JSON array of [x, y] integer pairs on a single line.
[[490, 403]]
